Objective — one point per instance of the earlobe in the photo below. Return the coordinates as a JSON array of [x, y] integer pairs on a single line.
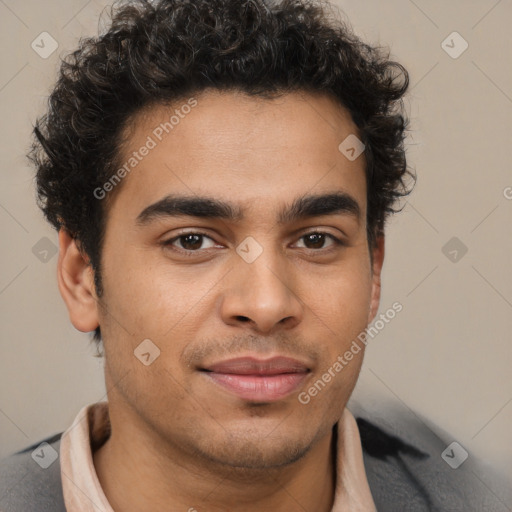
[[378, 261], [76, 284]]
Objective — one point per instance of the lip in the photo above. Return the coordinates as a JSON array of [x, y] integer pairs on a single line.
[[258, 380]]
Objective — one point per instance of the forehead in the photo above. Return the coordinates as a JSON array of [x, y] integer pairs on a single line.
[[239, 148]]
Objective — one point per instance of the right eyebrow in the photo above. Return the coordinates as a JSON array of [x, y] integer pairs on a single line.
[[203, 207]]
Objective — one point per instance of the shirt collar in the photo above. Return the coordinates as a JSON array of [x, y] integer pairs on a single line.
[[91, 428]]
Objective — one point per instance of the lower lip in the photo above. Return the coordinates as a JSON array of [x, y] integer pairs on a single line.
[[259, 388]]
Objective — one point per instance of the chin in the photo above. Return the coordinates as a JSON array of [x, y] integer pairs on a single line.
[[256, 452]]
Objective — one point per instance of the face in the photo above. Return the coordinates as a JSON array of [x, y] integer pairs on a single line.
[[237, 245]]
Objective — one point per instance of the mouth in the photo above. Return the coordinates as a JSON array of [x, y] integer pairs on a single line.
[[258, 380]]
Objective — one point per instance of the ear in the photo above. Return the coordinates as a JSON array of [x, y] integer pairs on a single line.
[[378, 261], [76, 284]]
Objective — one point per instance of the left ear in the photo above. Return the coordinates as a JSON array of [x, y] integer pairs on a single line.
[[378, 261]]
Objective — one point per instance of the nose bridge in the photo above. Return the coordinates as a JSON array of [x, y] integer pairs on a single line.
[[261, 290]]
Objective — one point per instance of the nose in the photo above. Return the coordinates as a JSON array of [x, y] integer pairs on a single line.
[[261, 296]]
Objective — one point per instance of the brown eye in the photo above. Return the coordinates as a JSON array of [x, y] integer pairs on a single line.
[[317, 240], [314, 241], [190, 242]]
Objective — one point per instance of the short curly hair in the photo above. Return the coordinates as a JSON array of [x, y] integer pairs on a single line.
[[156, 52]]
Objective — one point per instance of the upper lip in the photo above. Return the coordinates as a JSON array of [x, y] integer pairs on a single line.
[[256, 366]]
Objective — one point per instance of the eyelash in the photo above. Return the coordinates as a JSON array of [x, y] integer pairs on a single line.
[[188, 252]]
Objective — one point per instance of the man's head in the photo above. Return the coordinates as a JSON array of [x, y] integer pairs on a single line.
[[238, 124]]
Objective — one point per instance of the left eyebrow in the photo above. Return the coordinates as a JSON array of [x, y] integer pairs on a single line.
[[317, 205]]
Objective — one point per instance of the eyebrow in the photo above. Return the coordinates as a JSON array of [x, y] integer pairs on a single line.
[[318, 205], [210, 208], [192, 206]]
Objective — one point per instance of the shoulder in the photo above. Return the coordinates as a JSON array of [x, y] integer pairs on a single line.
[[410, 468], [30, 479]]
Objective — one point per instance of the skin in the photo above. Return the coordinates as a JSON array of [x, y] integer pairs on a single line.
[[178, 440]]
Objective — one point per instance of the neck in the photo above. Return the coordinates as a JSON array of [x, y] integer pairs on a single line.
[[153, 471]]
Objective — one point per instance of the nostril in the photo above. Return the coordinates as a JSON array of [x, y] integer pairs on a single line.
[[242, 318]]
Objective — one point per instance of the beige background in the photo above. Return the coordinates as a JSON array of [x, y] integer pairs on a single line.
[[447, 356]]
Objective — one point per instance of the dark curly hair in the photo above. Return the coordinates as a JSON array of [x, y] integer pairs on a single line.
[[156, 52]]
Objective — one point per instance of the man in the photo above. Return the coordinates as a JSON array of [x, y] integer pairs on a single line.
[[220, 173]]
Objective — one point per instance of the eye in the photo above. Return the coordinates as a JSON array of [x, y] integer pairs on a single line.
[[190, 242], [196, 241], [316, 240]]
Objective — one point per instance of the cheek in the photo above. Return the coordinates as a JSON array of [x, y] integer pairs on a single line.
[[340, 299], [148, 296], [155, 302]]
